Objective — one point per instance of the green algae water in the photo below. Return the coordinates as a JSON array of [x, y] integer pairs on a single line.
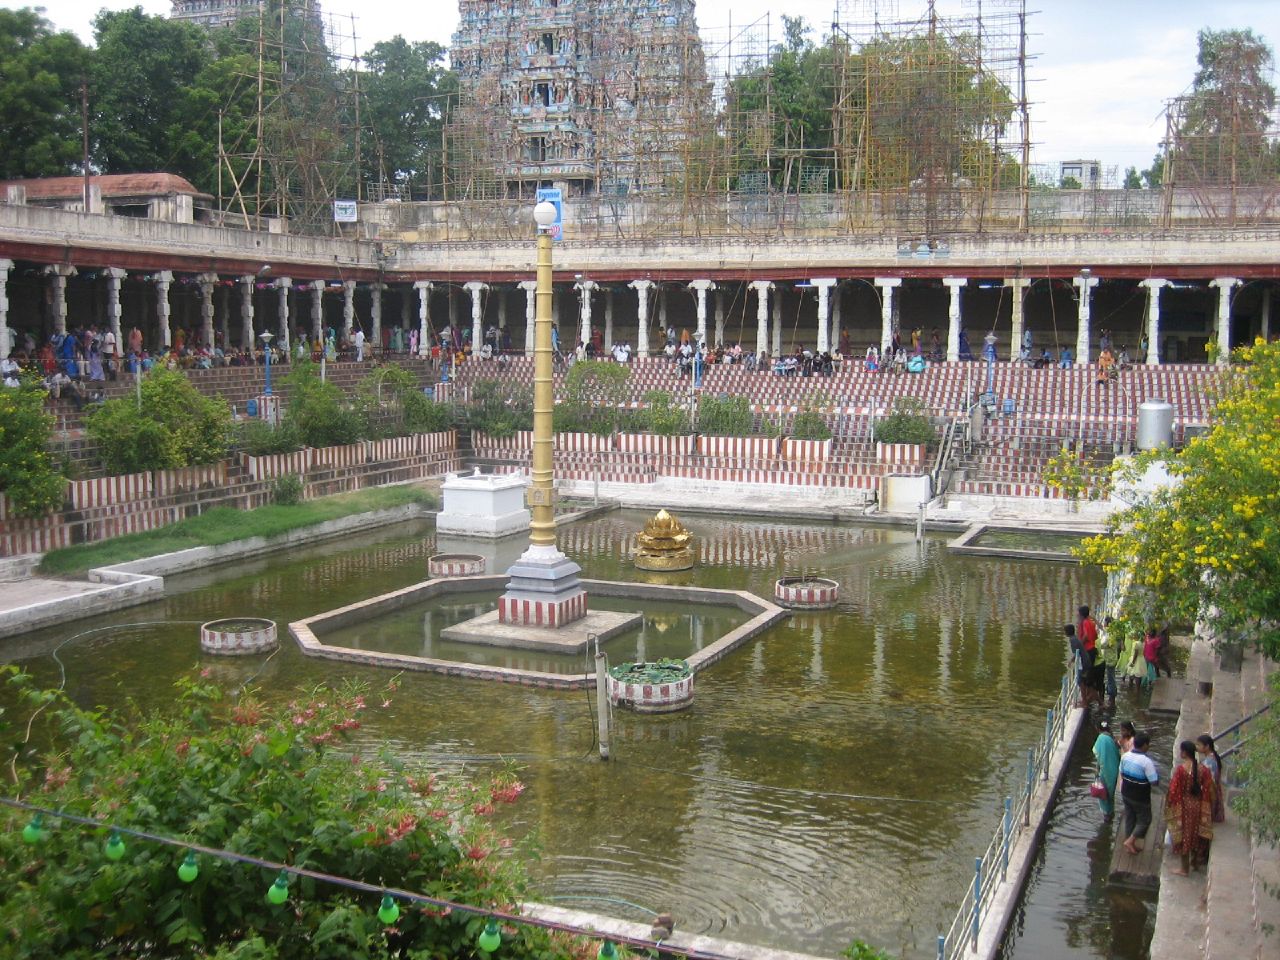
[[834, 779]]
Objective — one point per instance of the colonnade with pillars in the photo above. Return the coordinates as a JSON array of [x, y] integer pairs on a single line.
[[234, 311]]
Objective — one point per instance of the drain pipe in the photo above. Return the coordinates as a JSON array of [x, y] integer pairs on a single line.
[[602, 701], [920, 508]]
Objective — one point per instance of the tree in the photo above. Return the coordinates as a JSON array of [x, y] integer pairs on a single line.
[[1068, 183], [30, 478], [407, 94], [318, 412], [1132, 179], [40, 74], [140, 95], [1208, 546], [276, 782], [1153, 176], [172, 425]]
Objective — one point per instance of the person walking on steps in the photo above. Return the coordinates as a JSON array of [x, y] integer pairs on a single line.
[[1138, 777]]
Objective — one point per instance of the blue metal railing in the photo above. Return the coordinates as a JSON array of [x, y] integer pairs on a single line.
[[991, 870]]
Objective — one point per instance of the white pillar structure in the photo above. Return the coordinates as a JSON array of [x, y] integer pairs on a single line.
[[642, 287], [348, 308], [530, 288], [247, 284], [375, 315], [502, 310], [1017, 316], [475, 289], [719, 341], [585, 288], [1264, 317], [824, 286], [700, 288], [835, 316], [660, 296], [57, 274], [1084, 290], [206, 281], [114, 276], [886, 287], [1154, 286], [6, 344], [762, 288], [283, 285], [608, 319], [1225, 285], [777, 321], [954, 285], [317, 310], [424, 318], [163, 279]]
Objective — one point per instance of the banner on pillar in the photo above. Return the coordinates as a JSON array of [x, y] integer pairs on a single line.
[[345, 211], [556, 198]]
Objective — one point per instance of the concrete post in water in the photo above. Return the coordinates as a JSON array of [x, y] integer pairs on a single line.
[[700, 288], [824, 285], [114, 276], [977, 899], [1031, 781], [348, 308], [282, 311], [762, 288], [602, 704], [476, 291], [1225, 286], [1006, 831], [1084, 289], [1152, 359], [206, 281], [886, 287], [954, 285], [162, 280], [641, 287], [247, 282], [57, 274], [423, 287], [530, 288], [1019, 287], [1048, 740]]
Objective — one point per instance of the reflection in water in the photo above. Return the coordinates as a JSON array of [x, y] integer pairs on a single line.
[[834, 778]]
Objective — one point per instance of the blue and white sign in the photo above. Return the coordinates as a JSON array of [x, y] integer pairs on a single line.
[[553, 196], [345, 211]]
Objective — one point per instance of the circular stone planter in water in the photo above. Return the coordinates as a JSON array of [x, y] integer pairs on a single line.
[[455, 565], [806, 593], [238, 635], [660, 687]]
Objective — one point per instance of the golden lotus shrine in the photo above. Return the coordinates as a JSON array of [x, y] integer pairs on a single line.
[[664, 544]]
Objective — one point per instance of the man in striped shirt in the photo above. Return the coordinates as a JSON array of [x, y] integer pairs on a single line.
[[1138, 775]]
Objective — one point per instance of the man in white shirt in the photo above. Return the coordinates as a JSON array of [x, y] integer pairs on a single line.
[[359, 344]]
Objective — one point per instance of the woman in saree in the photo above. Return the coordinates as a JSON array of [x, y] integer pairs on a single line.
[[1107, 754], [1188, 809]]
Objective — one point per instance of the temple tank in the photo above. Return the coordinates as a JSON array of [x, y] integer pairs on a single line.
[[1155, 425]]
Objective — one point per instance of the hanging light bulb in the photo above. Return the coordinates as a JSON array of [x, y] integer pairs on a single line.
[[389, 912], [607, 951], [33, 832], [115, 846], [188, 870], [490, 939], [278, 892]]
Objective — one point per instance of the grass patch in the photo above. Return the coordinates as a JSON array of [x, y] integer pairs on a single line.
[[225, 524]]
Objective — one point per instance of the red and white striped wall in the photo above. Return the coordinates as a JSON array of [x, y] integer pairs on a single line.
[[540, 613], [651, 697], [393, 448], [168, 482], [806, 593], [439, 442], [904, 454], [653, 443], [105, 491], [455, 565], [760, 448], [273, 465], [342, 455], [806, 451], [585, 442]]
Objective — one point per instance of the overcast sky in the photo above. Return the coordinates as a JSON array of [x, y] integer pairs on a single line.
[[1101, 73]]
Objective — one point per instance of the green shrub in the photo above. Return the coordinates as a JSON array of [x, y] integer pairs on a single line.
[[906, 424], [174, 426], [424, 415], [662, 415], [725, 417], [30, 478], [597, 389], [319, 411], [500, 408], [861, 950], [287, 490], [259, 438], [810, 425]]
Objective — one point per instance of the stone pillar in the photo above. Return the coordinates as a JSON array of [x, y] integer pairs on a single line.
[[317, 311], [661, 296], [700, 288], [348, 308], [1019, 287], [608, 319], [777, 321], [1154, 287], [163, 279], [1084, 289], [584, 288], [835, 317], [642, 287], [207, 282], [824, 285], [1225, 285], [247, 284], [719, 341], [375, 315], [1264, 328], [6, 344], [114, 276], [475, 289], [283, 285], [530, 288], [887, 285], [424, 317], [222, 313], [762, 288], [955, 285], [58, 273]]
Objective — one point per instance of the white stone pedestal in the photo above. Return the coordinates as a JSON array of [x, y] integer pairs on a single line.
[[486, 506]]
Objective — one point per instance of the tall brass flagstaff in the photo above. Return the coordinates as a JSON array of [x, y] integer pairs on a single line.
[[540, 492]]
